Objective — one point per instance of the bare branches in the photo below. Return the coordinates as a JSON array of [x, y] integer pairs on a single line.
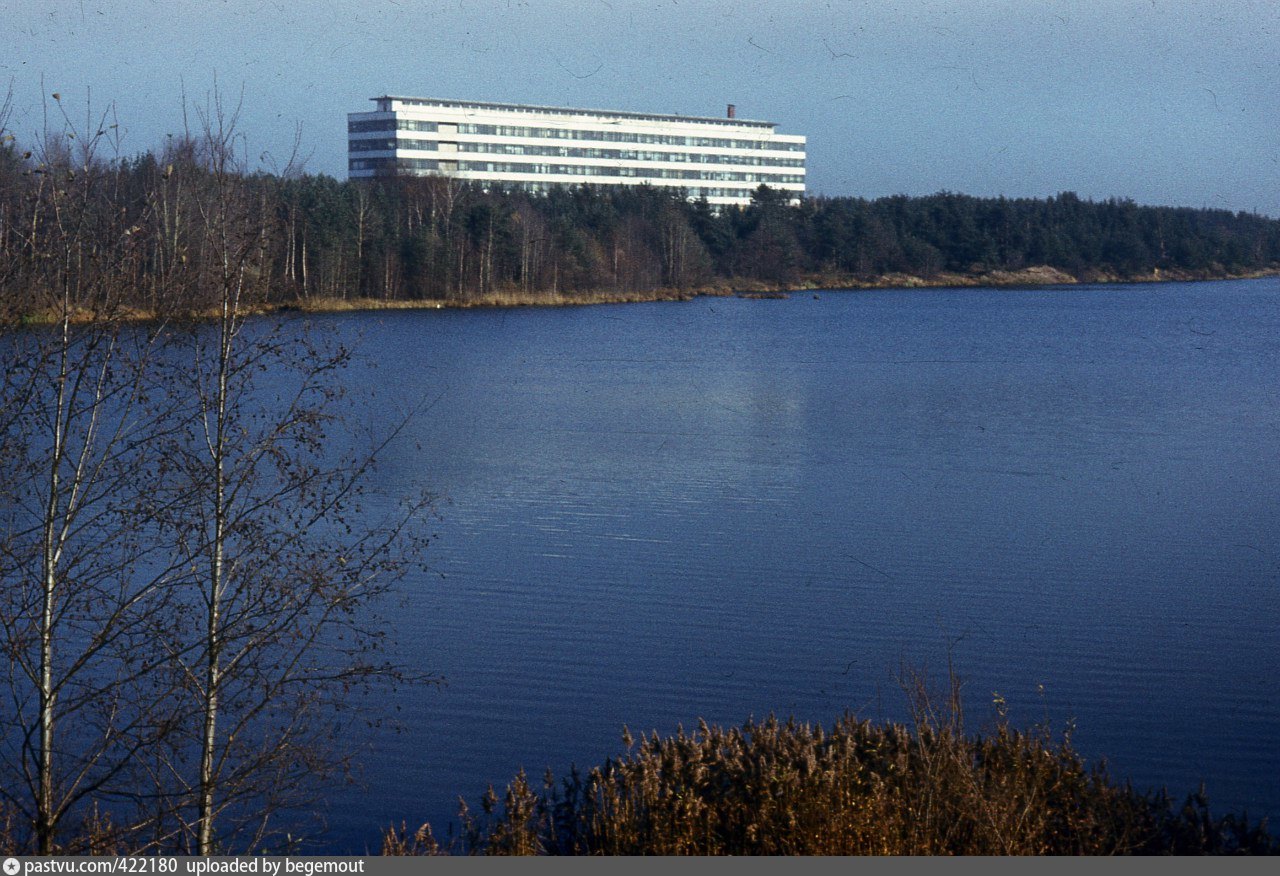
[[184, 597], [76, 563]]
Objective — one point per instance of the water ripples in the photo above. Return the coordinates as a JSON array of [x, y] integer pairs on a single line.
[[720, 510]]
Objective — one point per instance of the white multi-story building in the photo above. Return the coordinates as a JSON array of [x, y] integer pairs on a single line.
[[537, 147]]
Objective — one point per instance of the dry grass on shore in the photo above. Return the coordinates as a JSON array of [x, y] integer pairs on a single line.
[[1039, 275], [751, 289], [504, 298], [787, 788]]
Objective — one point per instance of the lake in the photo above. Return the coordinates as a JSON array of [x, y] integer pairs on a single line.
[[725, 508]]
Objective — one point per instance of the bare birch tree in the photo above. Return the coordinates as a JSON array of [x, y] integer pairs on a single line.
[[185, 599], [277, 624], [80, 569]]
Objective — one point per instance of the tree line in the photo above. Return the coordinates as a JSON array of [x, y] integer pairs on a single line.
[[437, 238]]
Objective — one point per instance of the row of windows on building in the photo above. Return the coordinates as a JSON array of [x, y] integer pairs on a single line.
[[690, 191], [384, 105], [390, 125], [627, 137], [577, 152], [573, 134], [384, 164]]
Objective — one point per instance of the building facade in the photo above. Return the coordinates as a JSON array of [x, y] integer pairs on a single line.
[[537, 147]]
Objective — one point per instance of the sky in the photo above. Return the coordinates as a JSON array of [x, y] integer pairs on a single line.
[[1162, 101]]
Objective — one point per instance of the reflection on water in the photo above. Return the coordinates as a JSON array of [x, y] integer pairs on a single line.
[[726, 508]]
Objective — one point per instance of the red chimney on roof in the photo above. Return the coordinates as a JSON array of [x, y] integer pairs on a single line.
[[733, 111]]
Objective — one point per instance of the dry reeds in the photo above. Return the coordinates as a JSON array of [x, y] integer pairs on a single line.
[[791, 788]]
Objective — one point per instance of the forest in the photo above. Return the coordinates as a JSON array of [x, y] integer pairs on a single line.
[[446, 240]]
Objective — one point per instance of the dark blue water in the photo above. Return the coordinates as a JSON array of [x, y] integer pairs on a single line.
[[726, 508]]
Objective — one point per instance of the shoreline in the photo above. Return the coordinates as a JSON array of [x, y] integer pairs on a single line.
[[1037, 276], [1032, 277]]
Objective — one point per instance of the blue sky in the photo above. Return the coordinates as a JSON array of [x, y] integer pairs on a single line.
[[1162, 101]]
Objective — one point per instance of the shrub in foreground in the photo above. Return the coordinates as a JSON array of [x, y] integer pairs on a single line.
[[788, 788]]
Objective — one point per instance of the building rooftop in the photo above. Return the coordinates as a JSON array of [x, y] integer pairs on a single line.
[[572, 111]]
